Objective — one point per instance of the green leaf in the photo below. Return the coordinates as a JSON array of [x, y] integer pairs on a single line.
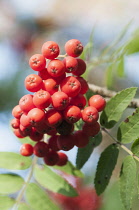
[[70, 169], [6, 202], [105, 167], [135, 147], [10, 183], [115, 107], [127, 181], [133, 45], [52, 181], [14, 161], [24, 206], [128, 130], [38, 198], [109, 76], [120, 68], [83, 154]]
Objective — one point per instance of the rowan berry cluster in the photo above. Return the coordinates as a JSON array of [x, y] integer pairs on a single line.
[[57, 104]]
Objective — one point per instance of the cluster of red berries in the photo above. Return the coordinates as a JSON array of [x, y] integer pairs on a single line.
[[57, 103]]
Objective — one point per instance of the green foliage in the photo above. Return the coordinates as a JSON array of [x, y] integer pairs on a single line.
[[128, 130], [115, 107], [135, 147], [38, 198], [52, 181], [70, 169], [24, 206], [83, 154], [6, 202], [109, 75], [10, 183], [105, 167], [14, 161], [127, 181]]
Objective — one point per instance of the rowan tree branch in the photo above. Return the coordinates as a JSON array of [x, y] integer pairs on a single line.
[[107, 94]]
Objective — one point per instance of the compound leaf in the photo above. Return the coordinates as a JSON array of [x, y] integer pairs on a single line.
[[105, 167], [84, 153], [52, 181], [127, 181], [6, 202], [70, 169], [10, 183], [14, 161], [115, 107], [128, 130], [38, 198]]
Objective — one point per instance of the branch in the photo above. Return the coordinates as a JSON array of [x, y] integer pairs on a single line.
[[109, 94], [121, 145]]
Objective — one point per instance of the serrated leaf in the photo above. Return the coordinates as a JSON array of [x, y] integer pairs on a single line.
[[52, 181], [38, 198], [70, 169], [6, 202], [135, 147], [128, 130], [105, 167], [10, 183], [14, 161], [24, 206], [127, 181], [115, 107], [84, 154]]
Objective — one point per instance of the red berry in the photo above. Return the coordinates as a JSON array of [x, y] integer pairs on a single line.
[[50, 50], [51, 158], [65, 128], [50, 85], [70, 63], [15, 123], [26, 150], [79, 101], [60, 100], [63, 159], [36, 116], [81, 138], [72, 114], [25, 120], [91, 129], [18, 133], [65, 142], [90, 114], [17, 112], [84, 85], [53, 117], [35, 135], [40, 149], [56, 68], [52, 143], [73, 47], [42, 99], [98, 102], [26, 103], [81, 67], [25, 131], [44, 74], [33, 83], [37, 62], [71, 86]]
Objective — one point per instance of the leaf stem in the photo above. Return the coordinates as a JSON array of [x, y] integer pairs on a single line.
[[121, 145], [20, 195]]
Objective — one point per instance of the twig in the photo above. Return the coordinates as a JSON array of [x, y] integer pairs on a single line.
[[121, 145], [109, 94]]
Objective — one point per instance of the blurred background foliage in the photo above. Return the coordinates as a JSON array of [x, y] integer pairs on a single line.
[[108, 29]]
